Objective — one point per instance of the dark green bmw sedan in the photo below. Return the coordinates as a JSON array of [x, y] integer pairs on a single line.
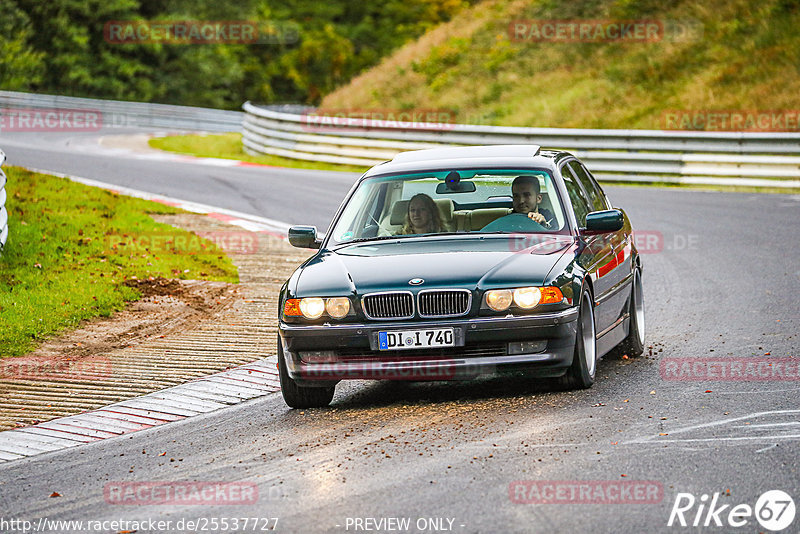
[[453, 263]]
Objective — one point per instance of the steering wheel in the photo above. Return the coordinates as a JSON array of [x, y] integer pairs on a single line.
[[513, 222]]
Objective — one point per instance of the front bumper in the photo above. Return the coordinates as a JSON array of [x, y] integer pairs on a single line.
[[356, 355]]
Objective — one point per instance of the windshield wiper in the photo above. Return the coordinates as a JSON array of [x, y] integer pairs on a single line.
[[376, 238], [403, 236], [507, 232]]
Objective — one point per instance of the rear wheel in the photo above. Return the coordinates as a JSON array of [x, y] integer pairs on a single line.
[[297, 396], [580, 374], [633, 344]]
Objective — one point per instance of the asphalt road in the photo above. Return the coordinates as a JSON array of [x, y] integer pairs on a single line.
[[721, 278], [295, 196]]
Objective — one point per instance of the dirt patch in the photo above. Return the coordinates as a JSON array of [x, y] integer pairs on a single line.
[[166, 306], [199, 295], [156, 286]]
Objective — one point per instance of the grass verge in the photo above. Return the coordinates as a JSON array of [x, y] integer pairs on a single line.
[[712, 56], [229, 146], [71, 247]]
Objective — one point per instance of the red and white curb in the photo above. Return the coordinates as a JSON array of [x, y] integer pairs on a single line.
[[205, 395], [201, 396]]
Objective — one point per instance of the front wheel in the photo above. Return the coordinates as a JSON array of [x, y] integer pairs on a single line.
[[580, 374], [633, 344], [297, 396]]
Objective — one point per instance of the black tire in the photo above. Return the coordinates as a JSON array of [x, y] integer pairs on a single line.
[[633, 344], [581, 373], [297, 396]]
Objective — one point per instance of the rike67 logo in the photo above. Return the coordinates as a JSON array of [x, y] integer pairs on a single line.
[[774, 510]]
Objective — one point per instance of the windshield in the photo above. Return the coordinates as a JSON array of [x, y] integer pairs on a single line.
[[465, 201]]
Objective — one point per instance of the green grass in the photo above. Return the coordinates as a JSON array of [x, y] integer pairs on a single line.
[[229, 146], [71, 247]]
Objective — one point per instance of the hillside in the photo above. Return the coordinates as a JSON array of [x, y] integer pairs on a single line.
[[714, 55]]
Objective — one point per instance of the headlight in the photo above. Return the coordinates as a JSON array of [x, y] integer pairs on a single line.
[[499, 299], [312, 307], [315, 307], [338, 307], [524, 298], [527, 297]]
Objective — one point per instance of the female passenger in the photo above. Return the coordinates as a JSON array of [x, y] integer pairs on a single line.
[[423, 217]]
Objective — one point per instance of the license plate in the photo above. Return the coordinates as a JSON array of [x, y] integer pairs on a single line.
[[416, 339]]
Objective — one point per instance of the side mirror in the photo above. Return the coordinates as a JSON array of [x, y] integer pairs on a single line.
[[600, 222], [304, 237]]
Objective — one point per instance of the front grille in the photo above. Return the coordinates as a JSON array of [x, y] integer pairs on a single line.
[[397, 305], [444, 303]]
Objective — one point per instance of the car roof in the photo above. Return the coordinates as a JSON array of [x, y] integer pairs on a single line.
[[469, 157], [511, 151]]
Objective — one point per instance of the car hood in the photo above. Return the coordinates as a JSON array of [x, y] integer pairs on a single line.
[[477, 262]]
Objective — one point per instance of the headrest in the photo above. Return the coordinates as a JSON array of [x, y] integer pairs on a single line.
[[546, 202], [481, 217], [445, 206], [399, 211]]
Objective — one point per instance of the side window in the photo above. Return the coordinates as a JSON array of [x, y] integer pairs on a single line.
[[598, 202], [370, 224], [576, 196]]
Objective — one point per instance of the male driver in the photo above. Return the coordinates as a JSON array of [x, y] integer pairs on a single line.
[[526, 196]]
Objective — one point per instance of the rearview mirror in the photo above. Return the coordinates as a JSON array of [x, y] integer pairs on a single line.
[[455, 187], [304, 237], [599, 222]]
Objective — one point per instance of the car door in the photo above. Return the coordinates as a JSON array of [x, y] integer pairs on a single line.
[[616, 301], [597, 255]]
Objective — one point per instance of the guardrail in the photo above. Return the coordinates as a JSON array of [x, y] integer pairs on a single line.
[[3, 210], [116, 113], [765, 159]]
